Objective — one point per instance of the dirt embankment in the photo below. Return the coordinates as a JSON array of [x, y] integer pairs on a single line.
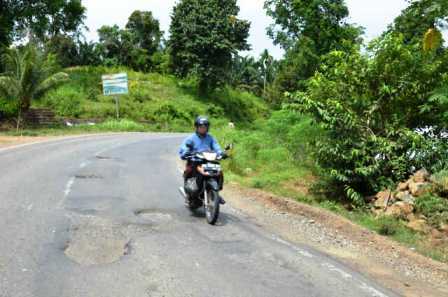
[[389, 263]]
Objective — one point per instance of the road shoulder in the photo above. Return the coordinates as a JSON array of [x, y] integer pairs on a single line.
[[10, 141], [389, 263]]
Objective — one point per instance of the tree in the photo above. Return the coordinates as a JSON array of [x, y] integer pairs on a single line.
[[322, 21], [307, 30], [145, 30], [246, 73], [133, 46], [110, 45], [6, 23], [40, 19], [267, 64], [73, 51], [376, 114], [29, 75], [252, 74], [64, 48], [418, 17], [88, 54], [204, 34]]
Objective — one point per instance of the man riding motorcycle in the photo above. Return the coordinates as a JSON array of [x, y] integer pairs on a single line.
[[200, 141]]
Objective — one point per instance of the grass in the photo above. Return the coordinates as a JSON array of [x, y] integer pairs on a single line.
[[163, 101], [122, 125]]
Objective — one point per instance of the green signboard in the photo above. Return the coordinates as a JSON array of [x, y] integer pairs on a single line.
[[115, 84]]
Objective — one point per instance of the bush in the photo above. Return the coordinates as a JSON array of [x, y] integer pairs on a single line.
[[440, 180], [239, 106], [370, 106], [434, 208], [387, 225], [8, 108], [65, 101], [274, 153]]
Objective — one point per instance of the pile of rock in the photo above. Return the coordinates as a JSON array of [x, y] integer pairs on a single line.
[[400, 203]]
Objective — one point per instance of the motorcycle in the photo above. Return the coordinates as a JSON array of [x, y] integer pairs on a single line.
[[203, 188]]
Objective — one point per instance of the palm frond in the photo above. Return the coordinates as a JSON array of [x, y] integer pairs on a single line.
[[29, 74], [8, 87], [50, 83]]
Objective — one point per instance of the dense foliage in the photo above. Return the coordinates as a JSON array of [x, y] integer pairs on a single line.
[[420, 16], [251, 74], [28, 76], [374, 107], [133, 46], [40, 19], [307, 30], [204, 34]]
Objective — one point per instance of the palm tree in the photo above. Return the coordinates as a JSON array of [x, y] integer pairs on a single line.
[[28, 75]]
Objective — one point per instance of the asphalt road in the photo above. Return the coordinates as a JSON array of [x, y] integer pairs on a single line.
[[101, 216]]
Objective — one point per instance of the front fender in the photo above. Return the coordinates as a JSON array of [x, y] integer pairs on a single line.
[[212, 184]]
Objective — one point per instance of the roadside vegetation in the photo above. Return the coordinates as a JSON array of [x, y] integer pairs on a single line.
[[337, 122]]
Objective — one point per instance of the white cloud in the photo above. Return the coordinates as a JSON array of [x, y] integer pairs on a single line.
[[374, 15]]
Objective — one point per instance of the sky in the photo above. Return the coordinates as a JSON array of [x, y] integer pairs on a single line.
[[373, 15]]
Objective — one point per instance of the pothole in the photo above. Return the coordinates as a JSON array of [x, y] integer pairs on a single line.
[[95, 245], [103, 157], [88, 176], [153, 216]]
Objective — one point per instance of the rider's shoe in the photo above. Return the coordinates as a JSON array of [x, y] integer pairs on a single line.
[[222, 201]]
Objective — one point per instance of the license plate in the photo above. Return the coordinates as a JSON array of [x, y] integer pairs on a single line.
[[212, 167]]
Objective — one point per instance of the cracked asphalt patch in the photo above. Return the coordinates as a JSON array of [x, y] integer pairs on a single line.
[[153, 216], [96, 242]]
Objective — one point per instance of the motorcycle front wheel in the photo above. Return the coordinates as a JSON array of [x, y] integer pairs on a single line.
[[212, 208]]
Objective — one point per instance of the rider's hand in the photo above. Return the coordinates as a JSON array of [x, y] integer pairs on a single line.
[[224, 156], [186, 156]]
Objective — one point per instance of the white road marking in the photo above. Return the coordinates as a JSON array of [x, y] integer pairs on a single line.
[[68, 187], [84, 164], [347, 276], [331, 267], [374, 292], [299, 250]]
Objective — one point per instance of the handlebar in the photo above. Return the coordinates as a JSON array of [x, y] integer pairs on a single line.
[[189, 156]]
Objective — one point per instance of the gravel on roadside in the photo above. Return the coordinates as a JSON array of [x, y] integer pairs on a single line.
[[386, 261]]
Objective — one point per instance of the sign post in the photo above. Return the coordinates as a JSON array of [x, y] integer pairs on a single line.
[[115, 85]]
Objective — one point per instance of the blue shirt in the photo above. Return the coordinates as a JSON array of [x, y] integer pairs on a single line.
[[199, 144]]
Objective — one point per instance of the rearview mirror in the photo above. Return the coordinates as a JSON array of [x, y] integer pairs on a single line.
[[229, 147]]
